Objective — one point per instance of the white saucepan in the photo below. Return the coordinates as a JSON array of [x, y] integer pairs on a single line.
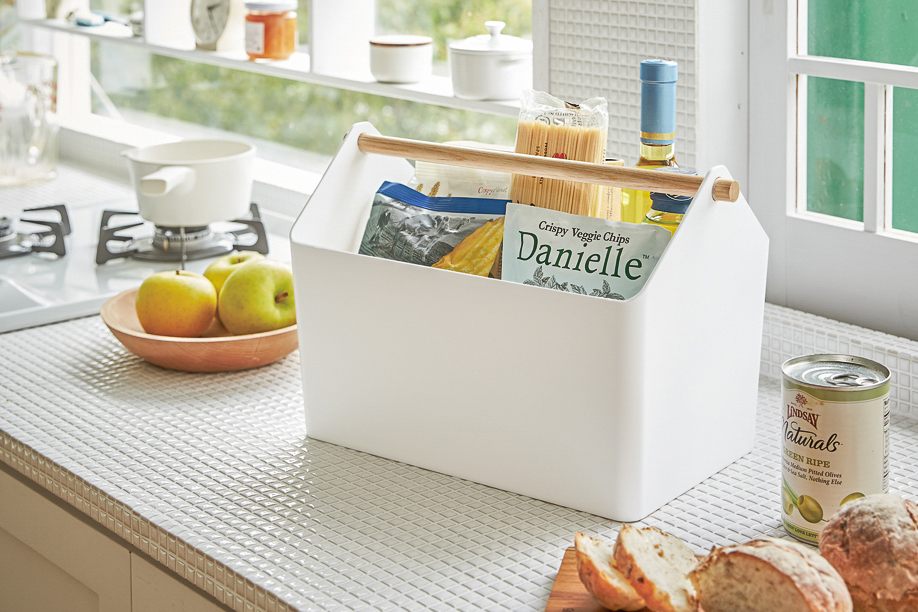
[[192, 182]]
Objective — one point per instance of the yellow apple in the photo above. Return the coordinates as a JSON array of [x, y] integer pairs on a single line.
[[221, 268], [176, 303], [257, 297]]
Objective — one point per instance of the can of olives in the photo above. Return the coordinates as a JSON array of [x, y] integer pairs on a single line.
[[835, 438]]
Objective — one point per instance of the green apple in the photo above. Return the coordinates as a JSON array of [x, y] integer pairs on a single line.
[[257, 297], [218, 271], [176, 303]]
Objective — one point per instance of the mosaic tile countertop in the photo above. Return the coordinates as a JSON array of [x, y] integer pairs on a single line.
[[213, 476]]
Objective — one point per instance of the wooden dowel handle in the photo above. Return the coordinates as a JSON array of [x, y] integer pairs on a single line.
[[566, 169]]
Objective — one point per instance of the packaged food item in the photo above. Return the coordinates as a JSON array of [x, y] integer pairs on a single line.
[[611, 202], [405, 225], [550, 127], [442, 180], [476, 253], [585, 255], [270, 29], [658, 129], [667, 210], [835, 438]]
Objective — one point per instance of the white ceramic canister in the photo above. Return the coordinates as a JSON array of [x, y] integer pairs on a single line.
[[192, 182], [401, 58], [491, 66]]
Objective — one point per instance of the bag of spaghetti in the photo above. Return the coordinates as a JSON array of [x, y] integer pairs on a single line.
[[585, 255], [460, 234], [550, 127]]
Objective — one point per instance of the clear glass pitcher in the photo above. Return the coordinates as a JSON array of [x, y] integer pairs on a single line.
[[28, 118]]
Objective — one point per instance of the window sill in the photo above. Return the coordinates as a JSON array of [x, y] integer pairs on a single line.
[[437, 90]]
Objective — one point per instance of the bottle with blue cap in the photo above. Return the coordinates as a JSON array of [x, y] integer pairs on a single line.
[[667, 210], [658, 130]]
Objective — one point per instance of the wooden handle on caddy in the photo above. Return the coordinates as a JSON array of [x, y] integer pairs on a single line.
[[566, 169]]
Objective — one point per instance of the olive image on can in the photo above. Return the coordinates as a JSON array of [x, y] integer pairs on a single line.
[[850, 497], [787, 502], [810, 509]]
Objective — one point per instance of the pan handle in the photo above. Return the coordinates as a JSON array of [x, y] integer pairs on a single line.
[[167, 179]]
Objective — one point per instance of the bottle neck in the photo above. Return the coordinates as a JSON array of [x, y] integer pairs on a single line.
[[658, 102], [662, 153]]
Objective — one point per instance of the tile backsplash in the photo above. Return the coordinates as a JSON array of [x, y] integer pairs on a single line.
[[596, 48], [790, 333]]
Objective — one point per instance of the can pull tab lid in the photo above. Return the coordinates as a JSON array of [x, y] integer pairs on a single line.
[[848, 379]]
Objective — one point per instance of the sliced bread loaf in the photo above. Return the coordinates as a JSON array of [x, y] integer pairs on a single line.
[[657, 564], [600, 576], [766, 575]]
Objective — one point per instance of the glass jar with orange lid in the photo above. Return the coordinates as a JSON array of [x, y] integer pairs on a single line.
[[270, 29]]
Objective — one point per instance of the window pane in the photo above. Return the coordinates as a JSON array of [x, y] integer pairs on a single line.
[[126, 7], [835, 148], [448, 20], [178, 96], [9, 34], [905, 160], [871, 30]]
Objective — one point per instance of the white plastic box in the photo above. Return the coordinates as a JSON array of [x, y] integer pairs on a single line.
[[610, 407]]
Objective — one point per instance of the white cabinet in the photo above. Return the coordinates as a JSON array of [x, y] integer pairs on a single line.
[[154, 590], [52, 560]]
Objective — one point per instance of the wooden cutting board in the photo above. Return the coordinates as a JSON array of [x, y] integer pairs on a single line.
[[568, 593]]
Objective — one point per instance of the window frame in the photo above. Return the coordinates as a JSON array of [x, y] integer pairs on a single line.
[[856, 272]]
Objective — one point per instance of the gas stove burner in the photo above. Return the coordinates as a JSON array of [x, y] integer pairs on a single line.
[[167, 238], [166, 244], [49, 240]]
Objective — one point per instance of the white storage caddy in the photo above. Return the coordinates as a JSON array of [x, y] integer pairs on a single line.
[[610, 407]]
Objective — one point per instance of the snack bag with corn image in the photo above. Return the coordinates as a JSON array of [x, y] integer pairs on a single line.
[[475, 254], [461, 234]]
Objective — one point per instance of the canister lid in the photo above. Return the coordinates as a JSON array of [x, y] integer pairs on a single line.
[[667, 202], [836, 372], [400, 40], [493, 43], [271, 5], [659, 71]]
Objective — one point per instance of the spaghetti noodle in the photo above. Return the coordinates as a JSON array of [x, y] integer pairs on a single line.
[[549, 127]]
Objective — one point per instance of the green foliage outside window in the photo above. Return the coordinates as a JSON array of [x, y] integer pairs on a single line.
[[450, 20], [311, 117]]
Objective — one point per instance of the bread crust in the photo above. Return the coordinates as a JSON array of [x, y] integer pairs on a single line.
[[808, 582], [873, 543], [657, 564], [600, 576]]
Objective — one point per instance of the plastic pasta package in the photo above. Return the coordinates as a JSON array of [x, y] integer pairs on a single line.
[[550, 127], [460, 234]]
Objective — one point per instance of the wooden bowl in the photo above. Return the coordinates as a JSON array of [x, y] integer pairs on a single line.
[[215, 351]]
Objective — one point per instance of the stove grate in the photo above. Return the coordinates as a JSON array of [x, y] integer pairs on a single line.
[[173, 244], [49, 240]]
